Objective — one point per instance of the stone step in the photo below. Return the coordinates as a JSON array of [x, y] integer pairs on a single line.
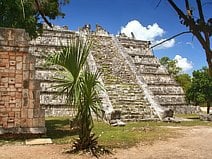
[[40, 141]]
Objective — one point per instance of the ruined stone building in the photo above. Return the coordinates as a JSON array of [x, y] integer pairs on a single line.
[[135, 82], [20, 110]]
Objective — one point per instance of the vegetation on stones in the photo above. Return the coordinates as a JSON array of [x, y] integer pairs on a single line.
[[28, 14]]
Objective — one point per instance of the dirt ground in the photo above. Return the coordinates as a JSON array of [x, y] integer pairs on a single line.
[[193, 142]]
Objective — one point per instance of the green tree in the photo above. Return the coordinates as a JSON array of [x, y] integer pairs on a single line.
[[200, 91], [28, 14], [184, 80], [170, 66], [81, 88]]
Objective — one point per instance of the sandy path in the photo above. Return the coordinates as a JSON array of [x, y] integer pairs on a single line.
[[195, 143]]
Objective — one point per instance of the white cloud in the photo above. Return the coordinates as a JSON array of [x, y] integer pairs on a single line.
[[148, 33], [164, 45], [183, 63]]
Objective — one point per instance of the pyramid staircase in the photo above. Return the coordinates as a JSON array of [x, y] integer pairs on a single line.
[[165, 89], [135, 82]]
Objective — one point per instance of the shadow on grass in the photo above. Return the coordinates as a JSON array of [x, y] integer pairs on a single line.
[[59, 128]]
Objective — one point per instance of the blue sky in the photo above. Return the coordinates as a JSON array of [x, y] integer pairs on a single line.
[[145, 20]]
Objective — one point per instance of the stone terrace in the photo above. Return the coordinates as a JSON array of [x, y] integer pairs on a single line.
[[164, 87], [124, 92]]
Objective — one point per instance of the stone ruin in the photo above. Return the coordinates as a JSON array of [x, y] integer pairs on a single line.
[[135, 82], [20, 111]]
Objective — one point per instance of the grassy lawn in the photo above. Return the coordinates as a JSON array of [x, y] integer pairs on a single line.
[[58, 130]]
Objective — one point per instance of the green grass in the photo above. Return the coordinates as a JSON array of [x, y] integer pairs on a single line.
[[58, 130], [129, 135]]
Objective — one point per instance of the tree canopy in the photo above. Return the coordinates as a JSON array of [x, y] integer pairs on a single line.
[[201, 88], [171, 66], [184, 80], [29, 14]]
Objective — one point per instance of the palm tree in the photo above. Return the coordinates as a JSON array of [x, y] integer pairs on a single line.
[[80, 87]]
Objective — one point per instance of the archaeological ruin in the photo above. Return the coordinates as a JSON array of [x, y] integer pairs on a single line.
[[20, 110], [135, 82]]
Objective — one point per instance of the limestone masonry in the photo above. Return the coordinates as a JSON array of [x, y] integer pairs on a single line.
[[20, 110], [135, 82]]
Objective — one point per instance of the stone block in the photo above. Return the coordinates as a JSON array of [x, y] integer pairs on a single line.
[[30, 123], [25, 83], [18, 103], [11, 114], [38, 130], [18, 78], [38, 141], [206, 117], [19, 57], [36, 113], [4, 79], [4, 55], [34, 85], [19, 66], [24, 113], [12, 68], [18, 85], [25, 93], [30, 113], [16, 109], [41, 122], [35, 122], [12, 57], [25, 66], [11, 74], [12, 105], [17, 114], [32, 75], [32, 66], [31, 103], [23, 122], [11, 80], [12, 63], [25, 102]]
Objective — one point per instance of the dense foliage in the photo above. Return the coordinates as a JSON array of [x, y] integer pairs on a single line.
[[184, 80], [29, 14], [201, 88], [171, 66]]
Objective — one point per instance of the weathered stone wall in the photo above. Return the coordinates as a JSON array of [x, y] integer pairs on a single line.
[[121, 82], [50, 41], [164, 87], [20, 110]]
